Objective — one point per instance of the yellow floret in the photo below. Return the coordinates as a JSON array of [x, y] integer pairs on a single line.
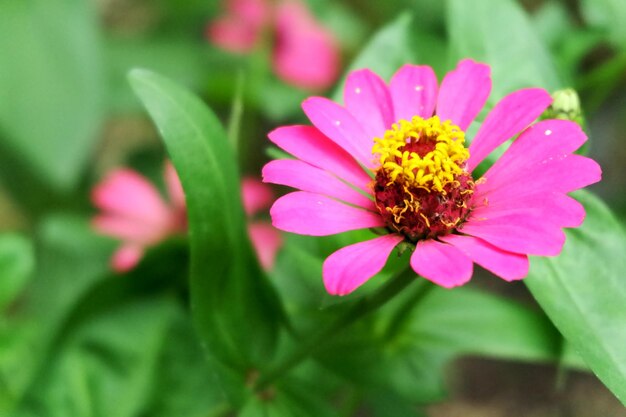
[[434, 170]]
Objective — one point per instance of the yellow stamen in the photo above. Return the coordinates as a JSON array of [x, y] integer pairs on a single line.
[[432, 171]]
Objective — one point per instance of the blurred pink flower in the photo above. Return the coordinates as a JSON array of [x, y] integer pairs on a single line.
[[305, 53], [133, 210], [264, 237], [401, 148]]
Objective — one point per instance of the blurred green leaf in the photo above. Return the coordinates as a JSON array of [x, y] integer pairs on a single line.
[[417, 338], [236, 310], [608, 15], [385, 52], [70, 260], [179, 58], [499, 33], [583, 291], [294, 398], [17, 263], [51, 86], [185, 385], [285, 100], [107, 367], [568, 43]]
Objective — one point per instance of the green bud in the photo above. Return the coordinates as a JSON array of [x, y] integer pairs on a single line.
[[565, 106]]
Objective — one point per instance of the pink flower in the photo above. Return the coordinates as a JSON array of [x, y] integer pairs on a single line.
[[394, 159], [305, 53], [265, 239], [133, 211]]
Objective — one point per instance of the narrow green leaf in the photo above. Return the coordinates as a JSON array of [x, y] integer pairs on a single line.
[[51, 86], [583, 291], [499, 33], [235, 309]]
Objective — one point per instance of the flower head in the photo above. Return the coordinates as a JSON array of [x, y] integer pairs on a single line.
[[394, 158], [305, 53]]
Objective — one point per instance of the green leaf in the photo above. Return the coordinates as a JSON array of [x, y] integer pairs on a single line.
[[499, 33], [608, 15], [51, 86], [17, 263], [235, 309], [179, 58], [293, 398], [185, 386], [386, 51], [415, 339], [107, 367], [70, 260], [583, 291]]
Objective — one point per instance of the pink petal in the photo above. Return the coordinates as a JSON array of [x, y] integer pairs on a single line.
[[307, 54], [126, 257], [366, 96], [558, 209], [240, 28], [255, 195], [126, 193], [518, 233], [232, 35], [441, 263], [300, 175], [341, 127], [310, 145], [316, 215], [132, 230], [508, 266], [174, 187], [560, 174], [254, 12], [541, 141], [414, 92], [350, 267], [463, 93], [510, 116], [266, 241]]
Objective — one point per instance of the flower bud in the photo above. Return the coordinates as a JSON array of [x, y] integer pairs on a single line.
[[566, 106]]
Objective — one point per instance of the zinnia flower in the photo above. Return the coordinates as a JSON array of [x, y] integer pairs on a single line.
[[394, 159], [133, 210], [305, 53]]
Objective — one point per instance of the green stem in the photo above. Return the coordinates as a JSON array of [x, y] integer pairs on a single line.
[[402, 315], [360, 309]]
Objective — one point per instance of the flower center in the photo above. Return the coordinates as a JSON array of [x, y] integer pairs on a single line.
[[422, 187]]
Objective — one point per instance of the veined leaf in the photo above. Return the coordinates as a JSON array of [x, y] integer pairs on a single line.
[[583, 291]]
